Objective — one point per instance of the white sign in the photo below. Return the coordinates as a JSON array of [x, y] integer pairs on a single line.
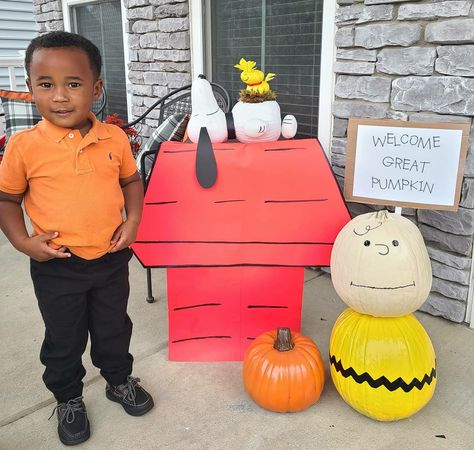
[[405, 164]]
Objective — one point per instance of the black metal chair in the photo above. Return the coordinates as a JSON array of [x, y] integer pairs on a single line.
[[175, 102]]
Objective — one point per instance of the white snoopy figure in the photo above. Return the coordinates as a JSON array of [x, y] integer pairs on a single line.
[[252, 122]]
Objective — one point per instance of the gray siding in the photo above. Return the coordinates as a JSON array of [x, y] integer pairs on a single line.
[[17, 28]]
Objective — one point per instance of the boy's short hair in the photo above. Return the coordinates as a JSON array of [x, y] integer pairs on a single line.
[[61, 39]]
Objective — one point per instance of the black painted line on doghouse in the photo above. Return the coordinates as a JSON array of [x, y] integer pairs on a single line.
[[201, 337], [267, 306], [197, 306], [298, 200]]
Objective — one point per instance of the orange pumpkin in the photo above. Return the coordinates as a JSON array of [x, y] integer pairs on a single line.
[[283, 371]]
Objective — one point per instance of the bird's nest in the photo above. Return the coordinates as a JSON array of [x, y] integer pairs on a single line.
[[253, 97]]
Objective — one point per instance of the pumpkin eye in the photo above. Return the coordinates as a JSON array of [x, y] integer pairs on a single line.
[[366, 243], [395, 243]]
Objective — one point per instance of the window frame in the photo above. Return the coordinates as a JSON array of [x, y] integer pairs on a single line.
[[200, 27], [67, 19]]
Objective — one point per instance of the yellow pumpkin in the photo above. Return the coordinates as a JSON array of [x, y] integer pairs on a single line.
[[283, 371], [384, 367], [380, 266]]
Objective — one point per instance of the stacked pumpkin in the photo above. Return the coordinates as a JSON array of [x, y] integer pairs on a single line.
[[382, 360]]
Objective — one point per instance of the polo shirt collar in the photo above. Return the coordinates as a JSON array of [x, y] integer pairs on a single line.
[[97, 132]]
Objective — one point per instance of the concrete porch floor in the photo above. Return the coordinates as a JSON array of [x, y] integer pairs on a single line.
[[204, 405]]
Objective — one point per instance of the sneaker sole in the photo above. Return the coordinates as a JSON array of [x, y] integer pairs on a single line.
[[78, 440], [134, 413]]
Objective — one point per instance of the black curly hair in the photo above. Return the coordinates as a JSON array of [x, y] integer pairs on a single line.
[[61, 39]]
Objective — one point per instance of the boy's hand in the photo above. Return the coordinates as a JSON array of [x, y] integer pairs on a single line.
[[124, 235], [37, 247]]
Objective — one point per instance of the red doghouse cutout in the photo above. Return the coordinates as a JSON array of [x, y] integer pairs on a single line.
[[236, 252]]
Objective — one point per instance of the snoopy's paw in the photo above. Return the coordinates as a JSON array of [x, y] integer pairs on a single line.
[[289, 126], [255, 128]]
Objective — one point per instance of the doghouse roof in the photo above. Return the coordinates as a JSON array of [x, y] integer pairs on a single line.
[[274, 203]]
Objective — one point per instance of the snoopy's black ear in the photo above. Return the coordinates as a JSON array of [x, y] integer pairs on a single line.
[[201, 76], [206, 166]]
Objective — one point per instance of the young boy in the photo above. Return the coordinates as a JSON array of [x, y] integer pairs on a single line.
[[75, 175]]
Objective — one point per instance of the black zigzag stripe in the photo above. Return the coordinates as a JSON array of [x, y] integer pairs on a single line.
[[382, 381]]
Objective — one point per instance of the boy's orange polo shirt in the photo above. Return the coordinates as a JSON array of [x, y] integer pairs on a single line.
[[70, 183]]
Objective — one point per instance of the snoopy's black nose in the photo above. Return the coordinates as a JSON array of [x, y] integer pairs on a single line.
[[201, 76]]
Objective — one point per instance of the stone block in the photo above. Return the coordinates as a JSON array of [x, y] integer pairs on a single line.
[[145, 26], [139, 89], [381, 35], [455, 60], [374, 89], [450, 273], [153, 78], [148, 40], [450, 259], [459, 222], [449, 289], [344, 37], [339, 146], [378, 2], [170, 25], [134, 41], [428, 11], [447, 241], [163, 40], [354, 67], [172, 10], [135, 77], [146, 55], [449, 95], [396, 115], [438, 305], [406, 61], [467, 193], [430, 117], [159, 91], [376, 13], [171, 66], [357, 54], [338, 160], [450, 31], [179, 40], [51, 6], [172, 55], [136, 3], [349, 13], [176, 79], [339, 128], [344, 110], [140, 13]]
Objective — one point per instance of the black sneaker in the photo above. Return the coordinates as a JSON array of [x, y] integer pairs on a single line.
[[73, 425], [134, 399]]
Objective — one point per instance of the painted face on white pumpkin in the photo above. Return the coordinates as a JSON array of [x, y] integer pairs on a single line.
[[380, 266]]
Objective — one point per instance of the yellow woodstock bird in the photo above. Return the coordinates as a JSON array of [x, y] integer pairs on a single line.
[[254, 79]]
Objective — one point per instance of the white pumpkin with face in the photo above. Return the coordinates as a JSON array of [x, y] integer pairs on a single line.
[[380, 266]]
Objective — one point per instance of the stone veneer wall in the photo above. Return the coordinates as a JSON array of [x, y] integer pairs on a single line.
[[413, 60], [159, 50]]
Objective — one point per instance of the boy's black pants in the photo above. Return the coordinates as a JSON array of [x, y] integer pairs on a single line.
[[77, 297]]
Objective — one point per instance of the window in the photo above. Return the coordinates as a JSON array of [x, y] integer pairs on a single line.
[[101, 23], [282, 37]]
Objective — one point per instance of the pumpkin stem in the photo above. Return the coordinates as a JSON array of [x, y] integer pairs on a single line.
[[283, 341]]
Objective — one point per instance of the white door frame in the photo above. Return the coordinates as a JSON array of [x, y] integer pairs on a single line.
[[326, 87], [68, 27]]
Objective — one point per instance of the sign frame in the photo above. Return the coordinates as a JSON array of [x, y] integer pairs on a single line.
[[352, 132]]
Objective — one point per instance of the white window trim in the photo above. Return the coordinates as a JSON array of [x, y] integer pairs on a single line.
[[326, 86], [66, 4]]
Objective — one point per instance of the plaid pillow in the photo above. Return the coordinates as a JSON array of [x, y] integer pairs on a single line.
[[172, 129], [20, 111]]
